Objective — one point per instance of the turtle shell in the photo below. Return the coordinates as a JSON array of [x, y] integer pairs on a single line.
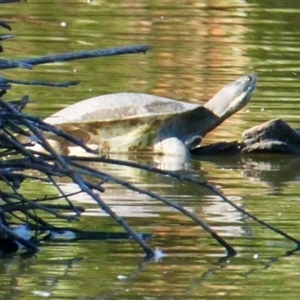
[[121, 122]]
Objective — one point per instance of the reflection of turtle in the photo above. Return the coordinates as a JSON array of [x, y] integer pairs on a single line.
[[128, 122]]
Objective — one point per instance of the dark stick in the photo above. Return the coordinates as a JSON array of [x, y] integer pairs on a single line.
[[43, 83], [25, 243], [9, 64], [6, 36], [4, 24], [77, 55], [9, 1], [19, 206]]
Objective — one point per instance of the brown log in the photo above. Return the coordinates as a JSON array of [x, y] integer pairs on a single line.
[[274, 136]]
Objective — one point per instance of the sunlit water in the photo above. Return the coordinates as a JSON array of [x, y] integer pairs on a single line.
[[197, 47]]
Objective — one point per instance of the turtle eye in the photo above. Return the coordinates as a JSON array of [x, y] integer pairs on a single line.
[[248, 78]]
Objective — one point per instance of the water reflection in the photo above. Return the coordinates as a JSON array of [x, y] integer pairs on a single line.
[[274, 170]]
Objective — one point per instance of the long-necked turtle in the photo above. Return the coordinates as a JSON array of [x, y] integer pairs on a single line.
[[127, 122]]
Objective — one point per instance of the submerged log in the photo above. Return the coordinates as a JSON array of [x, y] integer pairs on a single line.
[[274, 136], [219, 148]]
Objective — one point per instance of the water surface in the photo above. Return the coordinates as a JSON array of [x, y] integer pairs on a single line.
[[197, 47]]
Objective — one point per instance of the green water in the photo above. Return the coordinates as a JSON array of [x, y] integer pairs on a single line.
[[196, 48]]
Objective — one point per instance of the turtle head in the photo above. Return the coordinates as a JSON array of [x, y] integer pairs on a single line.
[[232, 97]]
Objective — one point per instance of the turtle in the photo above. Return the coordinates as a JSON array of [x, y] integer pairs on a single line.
[[129, 122]]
